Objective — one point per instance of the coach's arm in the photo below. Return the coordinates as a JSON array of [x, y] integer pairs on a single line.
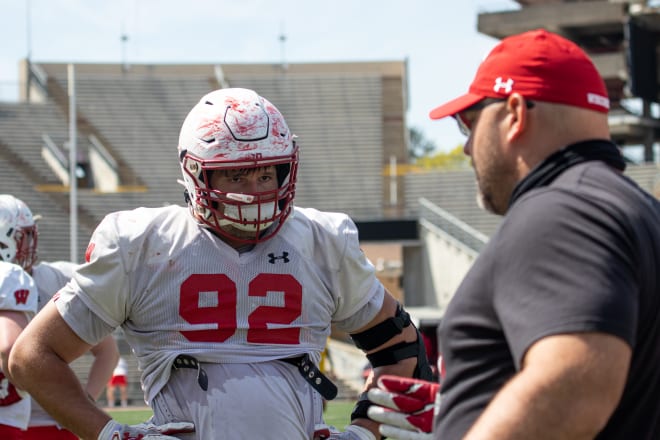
[[568, 387]]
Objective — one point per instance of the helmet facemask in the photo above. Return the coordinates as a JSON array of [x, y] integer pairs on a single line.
[[240, 217], [26, 247]]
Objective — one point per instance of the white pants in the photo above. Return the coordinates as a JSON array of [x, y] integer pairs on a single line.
[[266, 400]]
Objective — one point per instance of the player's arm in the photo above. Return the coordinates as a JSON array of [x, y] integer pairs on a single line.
[[394, 347], [39, 363], [11, 324], [568, 387], [106, 355]]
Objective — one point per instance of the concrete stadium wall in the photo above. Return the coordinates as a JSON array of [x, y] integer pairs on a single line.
[[445, 262]]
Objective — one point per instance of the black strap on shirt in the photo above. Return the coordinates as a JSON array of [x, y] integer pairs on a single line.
[[382, 332], [308, 370], [313, 376], [187, 361], [548, 170]]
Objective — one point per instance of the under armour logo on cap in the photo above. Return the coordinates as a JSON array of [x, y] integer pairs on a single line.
[[507, 85]]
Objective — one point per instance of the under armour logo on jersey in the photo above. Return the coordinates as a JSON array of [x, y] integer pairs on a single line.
[[21, 296], [284, 257], [507, 85]]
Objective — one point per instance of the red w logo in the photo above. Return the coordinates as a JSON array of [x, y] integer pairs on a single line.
[[21, 296], [8, 394]]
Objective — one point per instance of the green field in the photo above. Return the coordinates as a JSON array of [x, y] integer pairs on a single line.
[[337, 414]]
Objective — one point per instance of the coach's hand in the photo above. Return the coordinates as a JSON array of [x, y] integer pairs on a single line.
[[147, 431], [351, 432], [404, 407]]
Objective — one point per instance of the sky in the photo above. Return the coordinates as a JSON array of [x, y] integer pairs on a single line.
[[438, 38]]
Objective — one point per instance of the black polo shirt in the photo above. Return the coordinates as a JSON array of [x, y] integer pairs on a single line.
[[579, 255]]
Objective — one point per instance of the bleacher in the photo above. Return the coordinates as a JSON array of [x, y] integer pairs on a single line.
[[22, 126], [455, 191], [339, 120], [349, 118]]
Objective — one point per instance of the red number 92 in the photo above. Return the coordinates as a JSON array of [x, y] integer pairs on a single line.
[[212, 298]]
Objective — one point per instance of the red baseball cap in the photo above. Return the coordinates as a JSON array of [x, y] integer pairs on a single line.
[[539, 65]]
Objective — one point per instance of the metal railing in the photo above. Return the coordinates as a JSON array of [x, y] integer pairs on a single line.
[[452, 226]]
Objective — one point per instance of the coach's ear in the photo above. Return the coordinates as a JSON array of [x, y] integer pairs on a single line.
[[517, 121]]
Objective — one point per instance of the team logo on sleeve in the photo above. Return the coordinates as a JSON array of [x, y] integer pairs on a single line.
[[88, 252], [284, 257], [21, 296]]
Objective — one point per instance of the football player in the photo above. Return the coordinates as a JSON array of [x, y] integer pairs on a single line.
[[18, 304], [228, 302], [18, 240]]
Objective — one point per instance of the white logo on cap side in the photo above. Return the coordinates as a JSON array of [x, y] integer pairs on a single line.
[[599, 100], [507, 85]]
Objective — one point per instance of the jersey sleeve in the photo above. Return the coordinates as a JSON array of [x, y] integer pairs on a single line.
[[570, 274], [101, 283], [358, 292], [17, 290], [51, 277], [62, 271]]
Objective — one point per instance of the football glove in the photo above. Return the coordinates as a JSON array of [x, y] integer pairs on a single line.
[[351, 432], [405, 407], [114, 430]]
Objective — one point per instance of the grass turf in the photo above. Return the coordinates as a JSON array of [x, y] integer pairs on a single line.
[[337, 414]]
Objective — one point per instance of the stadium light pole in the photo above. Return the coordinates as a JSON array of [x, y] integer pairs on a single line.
[[28, 29], [73, 181]]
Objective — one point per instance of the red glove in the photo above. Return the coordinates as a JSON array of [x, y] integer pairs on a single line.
[[404, 406]]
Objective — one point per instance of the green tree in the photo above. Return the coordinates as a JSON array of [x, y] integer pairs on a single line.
[[419, 145], [454, 159]]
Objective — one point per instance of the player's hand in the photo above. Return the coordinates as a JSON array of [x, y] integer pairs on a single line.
[[146, 431], [351, 432], [405, 407]]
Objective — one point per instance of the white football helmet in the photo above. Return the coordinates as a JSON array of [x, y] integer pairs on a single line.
[[18, 232], [236, 129]]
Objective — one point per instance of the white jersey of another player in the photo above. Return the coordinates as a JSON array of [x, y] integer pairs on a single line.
[[175, 288], [48, 277], [17, 293]]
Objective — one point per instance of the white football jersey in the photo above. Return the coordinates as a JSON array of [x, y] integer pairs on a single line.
[[49, 277], [17, 293], [174, 288]]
